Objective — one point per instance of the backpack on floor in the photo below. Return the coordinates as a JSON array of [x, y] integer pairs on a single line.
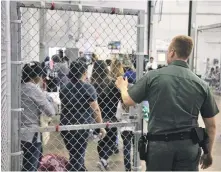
[[51, 162]]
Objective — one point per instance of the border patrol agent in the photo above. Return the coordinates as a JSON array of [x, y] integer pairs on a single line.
[[176, 97]]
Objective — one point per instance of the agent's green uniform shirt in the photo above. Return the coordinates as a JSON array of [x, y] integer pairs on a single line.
[[176, 96]]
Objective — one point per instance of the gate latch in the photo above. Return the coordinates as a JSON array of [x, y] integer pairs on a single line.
[[17, 110], [17, 153]]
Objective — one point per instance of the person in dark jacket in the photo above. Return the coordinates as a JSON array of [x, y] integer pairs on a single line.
[[108, 98], [78, 106]]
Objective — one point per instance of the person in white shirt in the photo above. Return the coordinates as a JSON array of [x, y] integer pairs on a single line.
[[151, 64]]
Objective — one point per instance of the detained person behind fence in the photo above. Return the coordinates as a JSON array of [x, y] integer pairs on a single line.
[[34, 102], [176, 96], [126, 132], [78, 106], [108, 98]]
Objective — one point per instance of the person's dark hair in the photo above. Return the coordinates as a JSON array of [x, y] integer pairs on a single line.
[[66, 58], [159, 66], [47, 59], [100, 78], [77, 69], [100, 72], [30, 71], [108, 61], [150, 68], [212, 69], [56, 58], [151, 58], [82, 59], [94, 58]]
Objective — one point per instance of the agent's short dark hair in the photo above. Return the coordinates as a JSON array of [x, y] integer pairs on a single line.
[[31, 70], [182, 45]]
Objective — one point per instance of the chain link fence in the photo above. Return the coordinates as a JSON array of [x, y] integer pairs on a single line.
[[78, 52], [5, 89], [208, 54]]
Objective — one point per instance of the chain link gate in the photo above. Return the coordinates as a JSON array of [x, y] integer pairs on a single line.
[[208, 54], [91, 30]]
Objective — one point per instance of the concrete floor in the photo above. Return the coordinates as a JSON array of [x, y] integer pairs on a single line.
[[56, 146]]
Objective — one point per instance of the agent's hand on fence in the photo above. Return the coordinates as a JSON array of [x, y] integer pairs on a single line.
[[102, 133], [121, 83]]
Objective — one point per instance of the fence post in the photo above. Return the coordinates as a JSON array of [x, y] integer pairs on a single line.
[[139, 74], [5, 87], [42, 22], [192, 28], [15, 86]]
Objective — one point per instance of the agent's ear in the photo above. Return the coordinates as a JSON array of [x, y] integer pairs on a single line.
[[172, 53]]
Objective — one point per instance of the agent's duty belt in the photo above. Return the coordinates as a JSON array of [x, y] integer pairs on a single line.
[[169, 137]]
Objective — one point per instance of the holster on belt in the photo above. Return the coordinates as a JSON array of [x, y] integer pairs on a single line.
[[142, 147], [200, 136]]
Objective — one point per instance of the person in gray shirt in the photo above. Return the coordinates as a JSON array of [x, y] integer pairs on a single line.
[[34, 102]]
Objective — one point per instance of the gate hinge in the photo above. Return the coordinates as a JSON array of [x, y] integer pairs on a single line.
[[17, 62], [16, 21], [18, 110], [17, 153], [140, 25]]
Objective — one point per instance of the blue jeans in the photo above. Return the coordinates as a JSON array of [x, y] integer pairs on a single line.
[[32, 153], [76, 144], [127, 142]]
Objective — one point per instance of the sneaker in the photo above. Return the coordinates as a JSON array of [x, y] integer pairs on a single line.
[[103, 165]]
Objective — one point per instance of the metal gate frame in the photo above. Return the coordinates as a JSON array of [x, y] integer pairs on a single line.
[[200, 29], [16, 75], [5, 87]]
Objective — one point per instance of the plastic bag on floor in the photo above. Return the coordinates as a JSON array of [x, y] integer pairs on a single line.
[[53, 162]]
